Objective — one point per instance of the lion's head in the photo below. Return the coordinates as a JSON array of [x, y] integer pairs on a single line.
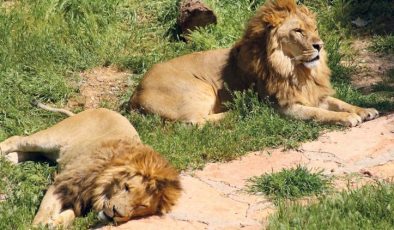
[[145, 185], [282, 47], [296, 33], [136, 182]]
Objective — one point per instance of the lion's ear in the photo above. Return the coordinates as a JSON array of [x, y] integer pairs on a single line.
[[307, 12], [170, 192], [289, 5], [152, 187]]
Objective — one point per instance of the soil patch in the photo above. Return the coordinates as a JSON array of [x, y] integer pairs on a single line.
[[371, 68], [100, 87]]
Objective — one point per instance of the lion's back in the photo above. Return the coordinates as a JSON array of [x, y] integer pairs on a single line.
[[89, 131]]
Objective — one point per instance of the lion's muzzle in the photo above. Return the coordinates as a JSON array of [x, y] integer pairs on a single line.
[[112, 214]]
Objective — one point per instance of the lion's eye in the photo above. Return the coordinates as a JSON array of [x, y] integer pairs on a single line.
[[299, 31], [141, 207], [126, 187]]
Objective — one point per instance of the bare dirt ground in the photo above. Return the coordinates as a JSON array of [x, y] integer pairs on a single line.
[[100, 87], [371, 68]]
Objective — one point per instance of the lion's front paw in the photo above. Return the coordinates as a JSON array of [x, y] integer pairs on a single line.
[[3, 148], [367, 114], [351, 119], [8, 145], [12, 157]]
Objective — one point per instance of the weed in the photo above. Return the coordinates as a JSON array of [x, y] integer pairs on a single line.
[[383, 44], [290, 183]]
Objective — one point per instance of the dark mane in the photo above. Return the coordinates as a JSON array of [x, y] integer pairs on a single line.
[[81, 186]]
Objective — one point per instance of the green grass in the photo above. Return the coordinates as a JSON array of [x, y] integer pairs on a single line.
[[289, 183], [44, 45], [387, 85], [24, 188], [371, 207], [383, 44]]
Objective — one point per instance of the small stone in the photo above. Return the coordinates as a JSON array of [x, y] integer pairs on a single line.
[[193, 14], [359, 22], [366, 173]]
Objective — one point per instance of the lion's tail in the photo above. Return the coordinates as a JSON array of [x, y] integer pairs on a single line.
[[48, 108]]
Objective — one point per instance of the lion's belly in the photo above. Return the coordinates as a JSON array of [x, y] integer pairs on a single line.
[[185, 88]]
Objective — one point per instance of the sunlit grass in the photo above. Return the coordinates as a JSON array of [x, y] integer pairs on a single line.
[[370, 207], [290, 183]]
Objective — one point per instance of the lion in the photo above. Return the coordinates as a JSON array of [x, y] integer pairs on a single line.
[[103, 166], [280, 56]]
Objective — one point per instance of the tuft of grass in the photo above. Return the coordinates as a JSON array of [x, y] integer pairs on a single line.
[[383, 44], [370, 207], [289, 183]]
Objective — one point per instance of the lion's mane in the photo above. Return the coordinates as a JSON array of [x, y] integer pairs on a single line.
[[257, 57], [83, 185]]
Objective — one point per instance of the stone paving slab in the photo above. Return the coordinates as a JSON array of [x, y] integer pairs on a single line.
[[215, 197]]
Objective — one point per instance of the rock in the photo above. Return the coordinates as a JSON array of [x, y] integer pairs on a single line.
[[193, 14], [359, 22]]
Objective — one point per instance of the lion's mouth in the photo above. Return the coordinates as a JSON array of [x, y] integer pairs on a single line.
[[105, 218], [109, 216], [312, 62], [314, 59]]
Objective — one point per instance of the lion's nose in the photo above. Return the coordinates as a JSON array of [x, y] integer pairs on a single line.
[[109, 212], [317, 46], [112, 212]]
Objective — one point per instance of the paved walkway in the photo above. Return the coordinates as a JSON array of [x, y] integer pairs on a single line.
[[214, 198]]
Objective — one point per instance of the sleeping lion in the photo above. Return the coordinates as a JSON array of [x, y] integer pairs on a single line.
[[280, 56], [103, 166]]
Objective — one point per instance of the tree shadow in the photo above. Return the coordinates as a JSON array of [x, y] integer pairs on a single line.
[[369, 17]]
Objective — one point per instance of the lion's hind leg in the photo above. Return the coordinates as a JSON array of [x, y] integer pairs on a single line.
[[51, 213], [36, 146], [11, 151]]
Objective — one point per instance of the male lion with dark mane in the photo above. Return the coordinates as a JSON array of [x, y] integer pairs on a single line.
[[280, 56], [102, 166]]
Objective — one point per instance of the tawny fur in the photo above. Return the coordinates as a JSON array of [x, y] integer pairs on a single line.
[[280, 56], [103, 166]]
